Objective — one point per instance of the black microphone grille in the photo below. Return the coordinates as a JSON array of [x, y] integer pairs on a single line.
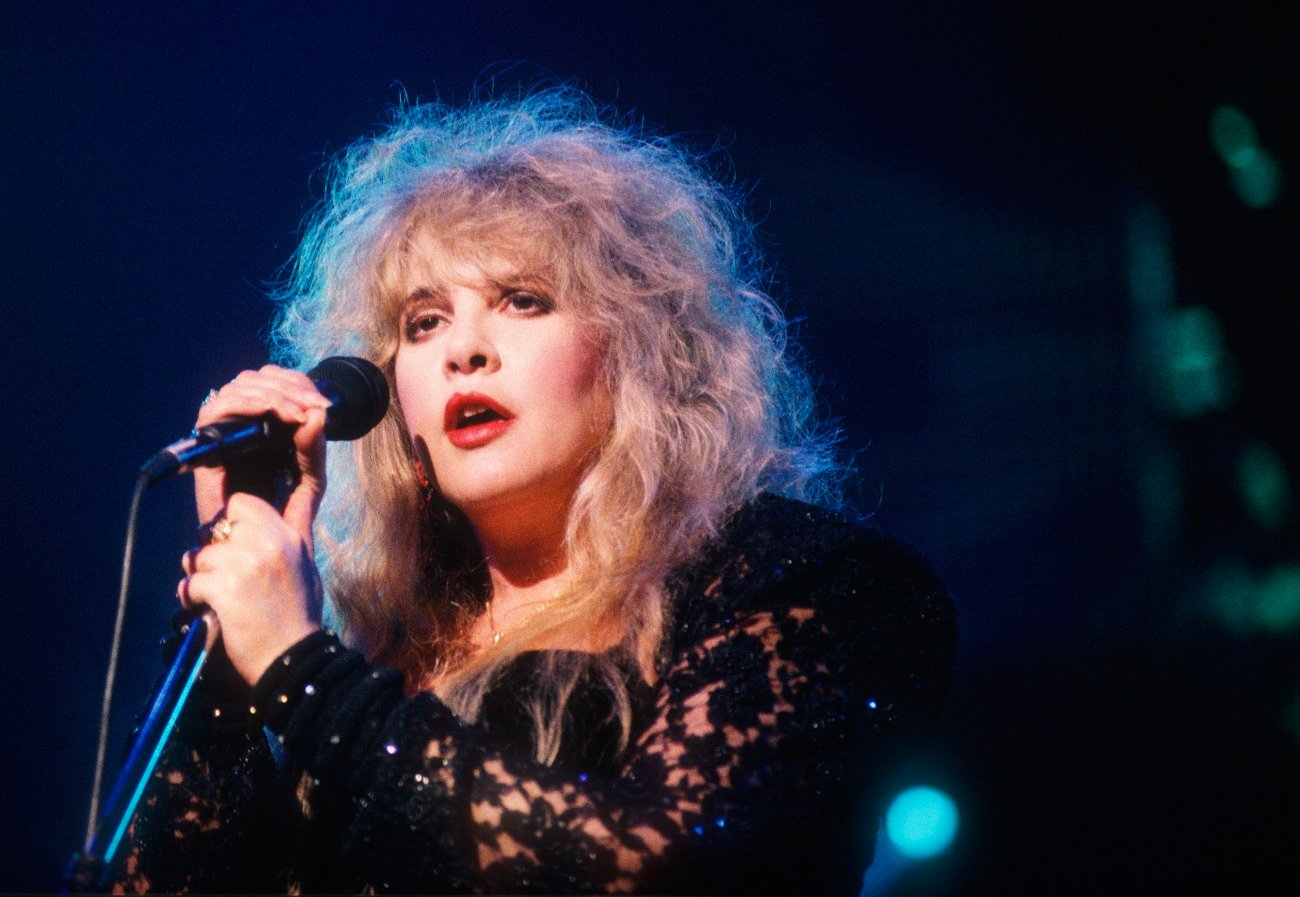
[[359, 392]]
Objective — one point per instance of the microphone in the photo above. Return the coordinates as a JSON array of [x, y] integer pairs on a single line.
[[357, 389]]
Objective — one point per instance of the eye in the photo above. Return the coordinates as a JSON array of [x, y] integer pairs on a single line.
[[421, 323], [528, 303]]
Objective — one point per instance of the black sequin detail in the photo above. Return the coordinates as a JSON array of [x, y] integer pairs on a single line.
[[804, 651]]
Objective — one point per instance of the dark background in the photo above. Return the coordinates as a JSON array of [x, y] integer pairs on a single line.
[[1061, 345]]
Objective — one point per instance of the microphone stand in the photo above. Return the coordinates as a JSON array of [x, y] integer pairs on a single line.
[[359, 393], [89, 870], [271, 477]]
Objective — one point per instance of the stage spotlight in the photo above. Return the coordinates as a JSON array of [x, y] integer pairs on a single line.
[[921, 822]]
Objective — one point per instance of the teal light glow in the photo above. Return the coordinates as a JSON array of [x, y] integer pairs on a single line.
[[1233, 135], [1278, 610], [1230, 594], [1196, 375], [1249, 603], [921, 822], [1264, 486], [1256, 176], [1258, 182], [1151, 260]]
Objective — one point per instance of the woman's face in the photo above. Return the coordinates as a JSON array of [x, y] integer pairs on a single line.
[[500, 391]]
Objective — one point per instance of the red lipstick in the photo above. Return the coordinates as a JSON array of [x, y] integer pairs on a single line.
[[472, 419]]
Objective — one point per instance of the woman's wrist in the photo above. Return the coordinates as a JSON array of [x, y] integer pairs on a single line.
[[316, 697], [276, 693]]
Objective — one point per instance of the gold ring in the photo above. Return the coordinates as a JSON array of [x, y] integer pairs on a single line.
[[221, 530]]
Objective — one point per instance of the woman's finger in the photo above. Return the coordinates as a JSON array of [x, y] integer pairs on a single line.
[[287, 393], [197, 588], [253, 399], [207, 558], [297, 383], [294, 384], [289, 396], [258, 579], [304, 501]]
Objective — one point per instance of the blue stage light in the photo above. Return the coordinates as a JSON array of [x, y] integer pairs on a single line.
[[921, 822]]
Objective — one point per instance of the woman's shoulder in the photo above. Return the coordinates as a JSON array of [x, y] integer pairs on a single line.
[[774, 540], [777, 553]]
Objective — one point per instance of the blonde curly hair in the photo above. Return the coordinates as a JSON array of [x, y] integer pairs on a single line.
[[658, 263]]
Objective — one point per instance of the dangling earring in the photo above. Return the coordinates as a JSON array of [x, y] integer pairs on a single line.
[[452, 559], [426, 524], [426, 495], [421, 475]]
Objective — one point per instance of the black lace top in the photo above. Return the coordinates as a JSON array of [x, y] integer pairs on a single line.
[[804, 651]]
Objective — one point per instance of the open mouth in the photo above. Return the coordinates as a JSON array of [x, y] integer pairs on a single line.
[[466, 411], [473, 415]]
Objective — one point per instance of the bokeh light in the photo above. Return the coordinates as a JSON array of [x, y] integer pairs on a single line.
[[1233, 135], [921, 822], [1256, 176], [1263, 484], [1195, 372], [1278, 609], [1247, 602], [1258, 183]]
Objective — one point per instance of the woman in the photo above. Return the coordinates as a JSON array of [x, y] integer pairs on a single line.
[[593, 640]]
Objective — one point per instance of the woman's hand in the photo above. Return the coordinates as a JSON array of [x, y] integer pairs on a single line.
[[258, 570], [294, 399], [258, 574]]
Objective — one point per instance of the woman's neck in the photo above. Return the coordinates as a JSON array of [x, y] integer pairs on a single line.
[[524, 548], [527, 566], [522, 536], [522, 556]]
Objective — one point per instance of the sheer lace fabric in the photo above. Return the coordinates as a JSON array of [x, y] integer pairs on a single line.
[[805, 650]]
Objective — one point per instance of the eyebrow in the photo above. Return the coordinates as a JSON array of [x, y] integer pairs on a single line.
[[528, 272], [518, 279], [423, 294], [522, 280]]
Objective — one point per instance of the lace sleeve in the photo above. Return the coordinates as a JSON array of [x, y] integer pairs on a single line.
[[766, 723], [203, 824]]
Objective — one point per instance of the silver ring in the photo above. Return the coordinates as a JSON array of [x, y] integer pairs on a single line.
[[212, 394]]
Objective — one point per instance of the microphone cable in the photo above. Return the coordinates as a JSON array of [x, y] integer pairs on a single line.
[[141, 483]]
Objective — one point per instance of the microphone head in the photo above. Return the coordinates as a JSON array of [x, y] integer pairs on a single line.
[[359, 392]]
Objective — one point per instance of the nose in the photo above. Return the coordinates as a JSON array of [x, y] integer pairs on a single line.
[[470, 347]]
